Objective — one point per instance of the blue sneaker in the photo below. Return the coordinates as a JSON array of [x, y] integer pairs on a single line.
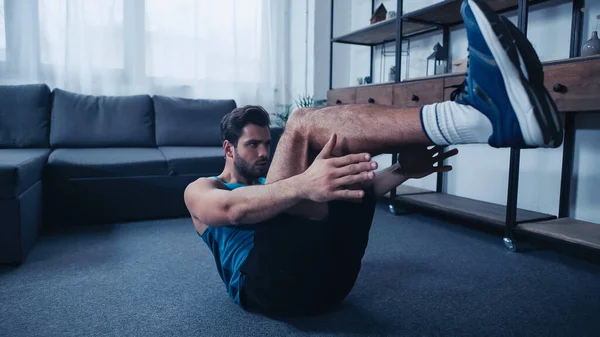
[[505, 81]]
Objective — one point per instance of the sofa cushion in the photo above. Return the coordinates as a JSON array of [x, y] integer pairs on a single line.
[[83, 121], [20, 169], [194, 160], [24, 116], [189, 122], [106, 162]]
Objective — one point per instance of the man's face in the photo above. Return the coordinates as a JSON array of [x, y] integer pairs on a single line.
[[251, 156]]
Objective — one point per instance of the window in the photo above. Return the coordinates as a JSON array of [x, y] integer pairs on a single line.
[[127, 45], [82, 33], [2, 33], [203, 39]]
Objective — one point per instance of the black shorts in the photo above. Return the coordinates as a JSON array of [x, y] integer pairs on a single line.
[[304, 267]]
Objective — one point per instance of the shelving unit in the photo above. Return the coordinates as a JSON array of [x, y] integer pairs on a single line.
[[422, 21], [574, 84]]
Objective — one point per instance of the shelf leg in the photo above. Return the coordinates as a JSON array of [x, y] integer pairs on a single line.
[[515, 158], [392, 206], [439, 188], [569, 127], [511, 204], [567, 166]]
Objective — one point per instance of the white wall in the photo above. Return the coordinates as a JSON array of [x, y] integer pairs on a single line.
[[480, 172], [322, 10], [586, 178], [359, 55], [589, 19]]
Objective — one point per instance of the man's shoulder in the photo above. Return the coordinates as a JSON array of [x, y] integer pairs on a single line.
[[204, 184]]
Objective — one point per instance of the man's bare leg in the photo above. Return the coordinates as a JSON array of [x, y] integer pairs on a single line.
[[360, 128], [375, 129], [292, 157]]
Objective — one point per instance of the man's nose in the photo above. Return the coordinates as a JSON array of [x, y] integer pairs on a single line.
[[263, 152]]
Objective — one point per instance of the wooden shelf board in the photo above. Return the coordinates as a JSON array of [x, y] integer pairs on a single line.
[[374, 84], [571, 60], [566, 229], [448, 12], [415, 28], [430, 77], [467, 209], [381, 32], [457, 77], [406, 190]]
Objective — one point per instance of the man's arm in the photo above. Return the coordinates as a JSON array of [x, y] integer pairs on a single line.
[[388, 179], [326, 179], [214, 206], [413, 163]]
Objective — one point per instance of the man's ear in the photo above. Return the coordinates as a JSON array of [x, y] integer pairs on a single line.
[[228, 148]]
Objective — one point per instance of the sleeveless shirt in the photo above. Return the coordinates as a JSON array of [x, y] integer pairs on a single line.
[[230, 245]]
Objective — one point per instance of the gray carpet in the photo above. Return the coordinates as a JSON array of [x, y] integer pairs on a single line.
[[420, 277]]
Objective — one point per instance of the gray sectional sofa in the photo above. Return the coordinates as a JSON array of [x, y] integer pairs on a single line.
[[71, 159]]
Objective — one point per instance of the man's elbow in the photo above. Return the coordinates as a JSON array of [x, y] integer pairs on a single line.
[[225, 215], [222, 217], [235, 215], [235, 220], [225, 219]]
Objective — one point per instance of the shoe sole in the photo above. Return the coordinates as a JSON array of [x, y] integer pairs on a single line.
[[523, 77], [545, 109]]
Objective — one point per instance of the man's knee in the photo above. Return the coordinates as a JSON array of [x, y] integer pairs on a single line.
[[299, 119]]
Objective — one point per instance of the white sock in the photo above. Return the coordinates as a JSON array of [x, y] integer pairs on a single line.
[[452, 123]]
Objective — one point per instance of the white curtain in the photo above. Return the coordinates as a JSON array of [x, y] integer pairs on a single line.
[[187, 48]]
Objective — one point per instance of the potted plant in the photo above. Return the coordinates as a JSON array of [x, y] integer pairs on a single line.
[[282, 114], [302, 101]]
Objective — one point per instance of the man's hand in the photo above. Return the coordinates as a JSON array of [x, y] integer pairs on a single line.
[[417, 161], [329, 178]]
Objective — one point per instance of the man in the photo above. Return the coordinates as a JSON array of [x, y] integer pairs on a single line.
[[292, 244]]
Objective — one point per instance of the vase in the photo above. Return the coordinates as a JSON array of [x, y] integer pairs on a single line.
[[592, 46]]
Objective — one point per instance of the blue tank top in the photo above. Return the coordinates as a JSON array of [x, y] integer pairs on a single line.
[[230, 246]]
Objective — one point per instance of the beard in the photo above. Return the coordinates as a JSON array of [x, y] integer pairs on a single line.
[[247, 170]]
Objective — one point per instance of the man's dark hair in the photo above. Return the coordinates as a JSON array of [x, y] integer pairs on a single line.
[[233, 122]]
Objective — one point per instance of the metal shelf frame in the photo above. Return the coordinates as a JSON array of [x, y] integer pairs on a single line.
[[522, 8]]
